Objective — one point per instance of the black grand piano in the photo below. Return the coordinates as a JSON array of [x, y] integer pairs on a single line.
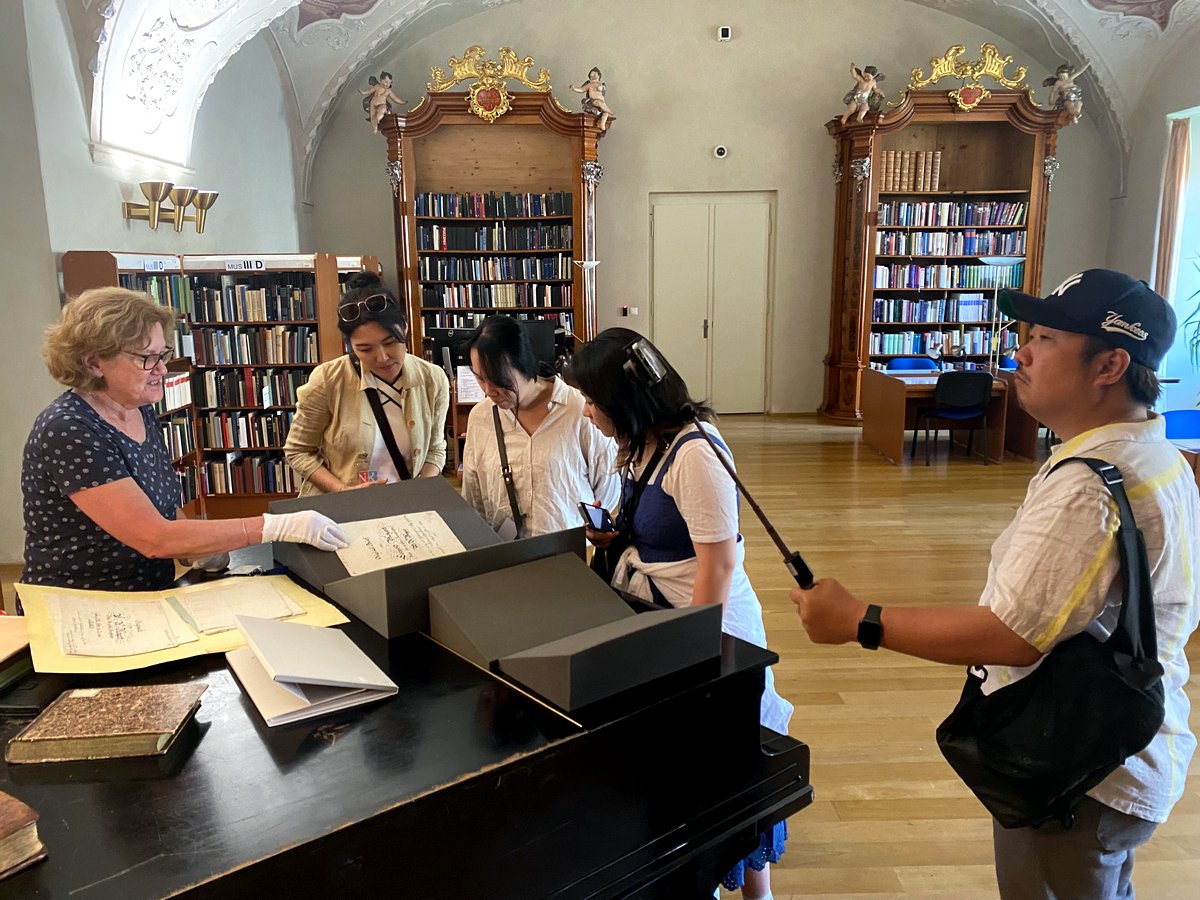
[[461, 786]]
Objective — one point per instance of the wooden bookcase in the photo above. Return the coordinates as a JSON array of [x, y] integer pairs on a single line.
[[516, 195], [252, 328], [905, 258]]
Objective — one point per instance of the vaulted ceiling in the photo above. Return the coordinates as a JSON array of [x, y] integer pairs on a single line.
[[149, 62]]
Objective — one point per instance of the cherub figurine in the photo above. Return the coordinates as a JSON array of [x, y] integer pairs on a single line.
[[378, 99], [865, 96], [1065, 94], [594, 103]]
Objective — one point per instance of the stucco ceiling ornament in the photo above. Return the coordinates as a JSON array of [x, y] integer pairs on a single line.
[[189, 14], [1123, 28], [488, 96], [989, 65], [310, 11], [1157, 11], [155, 70]]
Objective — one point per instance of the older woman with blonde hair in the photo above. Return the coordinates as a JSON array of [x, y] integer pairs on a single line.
[[99, 492]]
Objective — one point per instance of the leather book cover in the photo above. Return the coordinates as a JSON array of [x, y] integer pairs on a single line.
[[19, 843], [102, 723]]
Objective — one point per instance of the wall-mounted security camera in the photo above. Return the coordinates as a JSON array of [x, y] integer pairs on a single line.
[[720, 151], [725, 33]]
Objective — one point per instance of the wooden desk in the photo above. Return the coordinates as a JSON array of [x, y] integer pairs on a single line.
[[460, 786], [889, 409]]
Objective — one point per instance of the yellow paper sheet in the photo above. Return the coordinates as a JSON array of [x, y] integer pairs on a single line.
[[47, 657]]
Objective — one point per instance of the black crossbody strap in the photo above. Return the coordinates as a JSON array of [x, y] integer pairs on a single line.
[[629, 508], [518, 517], [389, 438], [1135, 634]]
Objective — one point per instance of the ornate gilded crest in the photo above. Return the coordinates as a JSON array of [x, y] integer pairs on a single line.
[[488, 97], [971, 93]]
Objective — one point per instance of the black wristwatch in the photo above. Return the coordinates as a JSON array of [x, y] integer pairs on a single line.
[[870, 629]]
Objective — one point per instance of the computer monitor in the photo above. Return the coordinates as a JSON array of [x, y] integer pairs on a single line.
[[449, 350], [448, 346]]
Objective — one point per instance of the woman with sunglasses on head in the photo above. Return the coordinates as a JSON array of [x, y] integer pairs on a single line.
[[99, 492], [376, 415], [679, 514], [531, 421]]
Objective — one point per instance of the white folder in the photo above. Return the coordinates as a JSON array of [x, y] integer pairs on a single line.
[[294, 672]]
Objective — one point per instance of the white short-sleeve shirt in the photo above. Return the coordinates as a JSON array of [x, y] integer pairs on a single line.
[[1054, 573]]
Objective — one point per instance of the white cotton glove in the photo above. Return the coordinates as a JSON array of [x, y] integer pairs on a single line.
[[304, 527], [217, 563]]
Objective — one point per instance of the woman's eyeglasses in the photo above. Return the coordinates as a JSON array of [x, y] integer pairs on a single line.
[[352, 311], [150, 360]]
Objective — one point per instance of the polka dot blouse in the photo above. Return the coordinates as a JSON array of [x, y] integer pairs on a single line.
[[72, 448]]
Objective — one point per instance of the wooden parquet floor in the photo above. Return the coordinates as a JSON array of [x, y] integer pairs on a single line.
[[890, 819]]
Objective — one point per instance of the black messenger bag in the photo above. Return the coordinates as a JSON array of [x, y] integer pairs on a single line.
[[1031, 750]]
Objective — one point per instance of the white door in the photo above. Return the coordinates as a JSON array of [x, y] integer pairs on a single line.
[[710, 293]]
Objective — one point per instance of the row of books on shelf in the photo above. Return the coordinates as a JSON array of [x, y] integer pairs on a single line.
[[249, 387], [174, 291], [494, 268], [237, 473], [245, 430], [189, 484], [967, 242], [177, 392], [561, 320], [539, 236], [262, 300], [510, 296], [255, 345], [944, 365], [491, 205], [911, 170], [967, 341], [177, 435], [957, 307], [910, 276], [921, 213]]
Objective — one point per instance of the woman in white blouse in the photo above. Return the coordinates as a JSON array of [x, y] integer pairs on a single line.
[[557, 458]]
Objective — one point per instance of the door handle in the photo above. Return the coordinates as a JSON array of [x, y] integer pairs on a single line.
[[706, 329]]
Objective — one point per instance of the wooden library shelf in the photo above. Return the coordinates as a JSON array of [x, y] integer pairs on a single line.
[[991, 176]]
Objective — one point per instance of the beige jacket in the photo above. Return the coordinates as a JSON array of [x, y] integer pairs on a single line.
[[335, 428]]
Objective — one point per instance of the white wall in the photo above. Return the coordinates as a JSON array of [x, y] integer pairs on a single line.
[[57, 199], [28, 290], [677, 92]]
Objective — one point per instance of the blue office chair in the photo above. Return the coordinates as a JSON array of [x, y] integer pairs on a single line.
[[1182, 424], [1007, 362], [960, 398], [912, 364]]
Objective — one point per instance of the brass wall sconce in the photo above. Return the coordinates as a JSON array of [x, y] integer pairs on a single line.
[[156, 192]]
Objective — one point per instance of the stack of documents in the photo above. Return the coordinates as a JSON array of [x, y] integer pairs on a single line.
[[294, 672]]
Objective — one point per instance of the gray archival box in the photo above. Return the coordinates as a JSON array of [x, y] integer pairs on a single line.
[[394, 601], [558, 629]]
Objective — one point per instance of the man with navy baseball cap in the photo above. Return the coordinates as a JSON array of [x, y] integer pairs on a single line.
[[1121, 310], [1086, 370]]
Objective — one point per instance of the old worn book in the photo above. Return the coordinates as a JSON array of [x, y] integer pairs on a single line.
[[19, 844], [102, 723]]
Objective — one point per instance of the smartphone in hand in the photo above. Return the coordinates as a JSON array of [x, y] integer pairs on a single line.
[[597, 517]]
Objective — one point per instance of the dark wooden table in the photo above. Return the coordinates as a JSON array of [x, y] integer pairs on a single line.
[[460, 786]]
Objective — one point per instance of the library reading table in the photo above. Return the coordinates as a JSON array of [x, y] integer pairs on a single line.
[[889, 409], [460, 786]]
